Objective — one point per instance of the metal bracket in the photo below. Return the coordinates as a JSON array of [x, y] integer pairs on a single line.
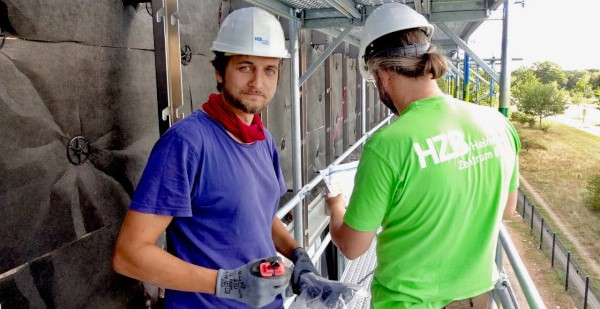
[[168, 61]]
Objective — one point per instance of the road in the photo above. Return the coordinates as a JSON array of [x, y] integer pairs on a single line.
[[573, 117]]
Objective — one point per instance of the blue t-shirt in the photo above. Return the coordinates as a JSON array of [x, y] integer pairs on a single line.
[[223, 196]]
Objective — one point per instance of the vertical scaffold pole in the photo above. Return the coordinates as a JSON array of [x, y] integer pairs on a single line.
[[457, 87], [466, 79], [363, 107], [491, 92], [477, 85], [296, 135], [504, 74]]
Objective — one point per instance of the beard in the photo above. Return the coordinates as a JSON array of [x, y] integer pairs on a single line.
[[237, 102], [384, 96]]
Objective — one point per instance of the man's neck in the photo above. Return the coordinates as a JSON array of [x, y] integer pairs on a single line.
[[409, 90]]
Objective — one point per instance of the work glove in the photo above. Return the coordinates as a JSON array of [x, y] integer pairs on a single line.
[[247, 285], [302, 265]]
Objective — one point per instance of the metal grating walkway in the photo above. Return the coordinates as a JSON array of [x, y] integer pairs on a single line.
[[360, 271]]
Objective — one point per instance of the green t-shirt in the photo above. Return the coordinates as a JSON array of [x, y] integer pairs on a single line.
[[436, 180]]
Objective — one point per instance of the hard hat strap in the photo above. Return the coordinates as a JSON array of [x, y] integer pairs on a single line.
[[404, 51]]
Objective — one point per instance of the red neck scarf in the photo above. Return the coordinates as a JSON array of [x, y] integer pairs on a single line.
[[216, 109]]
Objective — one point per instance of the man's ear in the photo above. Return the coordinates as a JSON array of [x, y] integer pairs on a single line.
[[218, 77], [385, 77]]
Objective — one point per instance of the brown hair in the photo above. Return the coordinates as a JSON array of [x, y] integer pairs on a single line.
[[430, 62], [220, 63]]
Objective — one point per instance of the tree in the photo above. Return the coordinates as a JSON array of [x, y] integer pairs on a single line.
[[595, 78], [548, 72], [523, 79], [576, 97], [572, 78], [541, 100], [583, 87]]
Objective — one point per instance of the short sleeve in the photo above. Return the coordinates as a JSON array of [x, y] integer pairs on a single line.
[[166, 183], [374, 187], [514, 179], [277, 167]]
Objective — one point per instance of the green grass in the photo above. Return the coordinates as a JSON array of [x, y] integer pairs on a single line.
[[558, 167]]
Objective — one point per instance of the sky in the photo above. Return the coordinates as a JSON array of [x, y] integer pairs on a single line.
[[566, 32]]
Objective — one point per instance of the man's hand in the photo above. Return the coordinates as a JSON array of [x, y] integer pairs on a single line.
[[245, 284], [302, 265], [336, 204]]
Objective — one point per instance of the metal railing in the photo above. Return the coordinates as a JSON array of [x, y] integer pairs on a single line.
[[576, 281], [531, 294]]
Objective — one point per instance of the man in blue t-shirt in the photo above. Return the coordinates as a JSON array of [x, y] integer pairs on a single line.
[[213, 182]]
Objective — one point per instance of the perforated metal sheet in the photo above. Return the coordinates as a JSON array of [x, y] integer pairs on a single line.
[[379, 2], [360, 271], [308, 4]]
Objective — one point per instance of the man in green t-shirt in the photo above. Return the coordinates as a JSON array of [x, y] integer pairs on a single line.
[[437, 180]]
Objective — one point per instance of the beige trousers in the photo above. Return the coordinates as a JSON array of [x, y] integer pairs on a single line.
[[479, 302]]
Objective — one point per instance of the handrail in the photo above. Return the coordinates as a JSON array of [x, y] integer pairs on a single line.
[[308, 187], [531, 294]]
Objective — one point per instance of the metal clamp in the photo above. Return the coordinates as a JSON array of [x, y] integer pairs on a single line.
[[186, 55], [78, 150]]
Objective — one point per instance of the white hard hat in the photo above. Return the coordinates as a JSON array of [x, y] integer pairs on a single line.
[[388, 18], [251, 31]]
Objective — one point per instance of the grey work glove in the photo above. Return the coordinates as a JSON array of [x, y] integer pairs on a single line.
[[245, 284], [302, 265]]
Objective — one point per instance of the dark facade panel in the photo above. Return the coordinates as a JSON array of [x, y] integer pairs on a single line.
[[337, 97], [78, 275], [314, 90], [351, 99], [102, 22], [279, 122], [51, 93]]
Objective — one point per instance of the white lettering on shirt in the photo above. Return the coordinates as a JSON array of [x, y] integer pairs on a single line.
[[452, 145], [454, 139]]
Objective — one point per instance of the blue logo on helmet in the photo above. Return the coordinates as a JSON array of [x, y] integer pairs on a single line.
[[261, 40]]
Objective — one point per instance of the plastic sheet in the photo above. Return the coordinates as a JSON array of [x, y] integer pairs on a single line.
[[320, 293]]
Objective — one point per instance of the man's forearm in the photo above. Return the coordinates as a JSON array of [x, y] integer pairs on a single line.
[[136, 255], [284, 242], [335, 224], [149, 263], [511, 205]]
